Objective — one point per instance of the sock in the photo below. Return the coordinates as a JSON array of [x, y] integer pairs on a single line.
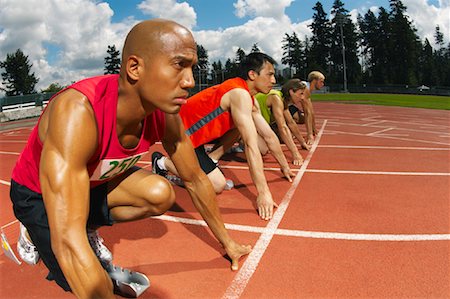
[[162, 163]]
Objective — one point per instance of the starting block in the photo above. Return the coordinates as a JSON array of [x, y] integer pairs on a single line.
[[127, 283], [7, 250]]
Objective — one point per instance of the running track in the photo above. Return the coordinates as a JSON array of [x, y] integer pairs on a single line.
[[366, 216]]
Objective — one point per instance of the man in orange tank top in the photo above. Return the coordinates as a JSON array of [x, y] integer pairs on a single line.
[[228, 111], [75, 173]]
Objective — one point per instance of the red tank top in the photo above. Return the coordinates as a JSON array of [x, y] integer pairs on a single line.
[[202, 115], [110, 158]]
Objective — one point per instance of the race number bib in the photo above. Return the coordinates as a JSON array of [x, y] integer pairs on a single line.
[[109, 168]]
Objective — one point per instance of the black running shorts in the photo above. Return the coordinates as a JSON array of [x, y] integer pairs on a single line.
[[30, 211], [205, 161]]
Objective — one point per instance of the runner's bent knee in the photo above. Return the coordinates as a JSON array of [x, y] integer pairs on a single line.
[[159, 197]]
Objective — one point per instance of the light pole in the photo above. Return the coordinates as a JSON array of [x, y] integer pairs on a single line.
[[340, 19]]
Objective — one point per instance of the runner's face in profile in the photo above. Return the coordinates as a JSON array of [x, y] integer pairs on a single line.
[[320, 83], [297, 96], [169, 74], [265, 80]]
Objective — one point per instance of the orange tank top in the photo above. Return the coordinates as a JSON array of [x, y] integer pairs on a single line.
[[202, 115]]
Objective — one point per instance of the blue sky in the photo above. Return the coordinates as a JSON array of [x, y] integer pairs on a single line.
[[207, 10], [66, 40]]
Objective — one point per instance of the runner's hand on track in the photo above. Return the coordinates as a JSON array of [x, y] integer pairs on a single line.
[[297, 161], [306, 146], [288, 174], [310, 139], [265, 206], [235, 251]]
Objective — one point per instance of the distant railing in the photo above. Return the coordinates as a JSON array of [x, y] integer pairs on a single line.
[[24, 101], [393, 89]]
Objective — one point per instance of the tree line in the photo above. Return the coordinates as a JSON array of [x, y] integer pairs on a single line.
[[381, 49]]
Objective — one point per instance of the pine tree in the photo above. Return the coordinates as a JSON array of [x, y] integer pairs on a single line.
[[112, 62], [319, 55], [255, 48], [201, 68], [294, 55], [405, 46], [427, 66], [344, 35], [16, 77]]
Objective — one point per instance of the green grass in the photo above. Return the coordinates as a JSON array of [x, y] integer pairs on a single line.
[[400, 100]]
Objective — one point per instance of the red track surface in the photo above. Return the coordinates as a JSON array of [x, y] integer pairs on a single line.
[[368, 215]]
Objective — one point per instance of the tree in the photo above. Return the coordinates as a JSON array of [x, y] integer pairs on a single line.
[[294, 54], [426, 65], [240, 55], [319, 55], [217, 72], [201, 68], [16, 77], [54, 87], [406, 45], [255, 48], [344, 34], [112, 62]]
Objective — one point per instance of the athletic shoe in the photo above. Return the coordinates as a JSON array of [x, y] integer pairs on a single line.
[[229, 184], [101, 251], [175, 180], [155, 168], [27, 251]]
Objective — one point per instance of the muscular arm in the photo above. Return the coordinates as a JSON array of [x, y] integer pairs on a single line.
[[271, 139], [293, 127], [240, 105], [69, 134], [277, 106], [181, 152], [309, 119]]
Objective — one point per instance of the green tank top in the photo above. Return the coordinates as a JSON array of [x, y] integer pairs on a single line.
[[266, 111]]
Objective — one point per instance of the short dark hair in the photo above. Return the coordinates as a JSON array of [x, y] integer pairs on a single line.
[[253, 62]]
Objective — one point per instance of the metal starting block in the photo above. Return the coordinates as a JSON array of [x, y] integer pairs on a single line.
[[127, 283]]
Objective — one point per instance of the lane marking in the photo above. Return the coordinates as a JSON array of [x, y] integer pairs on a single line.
[[386, 147], [5, 182], [316, 234], [389, 137], [429, 131], [380, 131], [378, 172], [243, 276], [9, 153]]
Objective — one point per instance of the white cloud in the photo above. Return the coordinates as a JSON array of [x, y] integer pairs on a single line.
[[78, 30], [426, 17], [261, 8], [182, 13], [222, 44]]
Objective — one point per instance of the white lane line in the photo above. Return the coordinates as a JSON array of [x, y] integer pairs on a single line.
[[379, 172], [5, 183], [364, 237], [386, 147], [374, 123], [13, 141], [9, 153], [380, 131], [316, 234], [389, 137], [242, 278], [9, 224]]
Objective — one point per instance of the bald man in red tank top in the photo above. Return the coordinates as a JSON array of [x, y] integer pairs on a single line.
[[78, 169]]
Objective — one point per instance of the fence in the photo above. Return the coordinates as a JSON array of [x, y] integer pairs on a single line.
[[393, 89], [24, 101]]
